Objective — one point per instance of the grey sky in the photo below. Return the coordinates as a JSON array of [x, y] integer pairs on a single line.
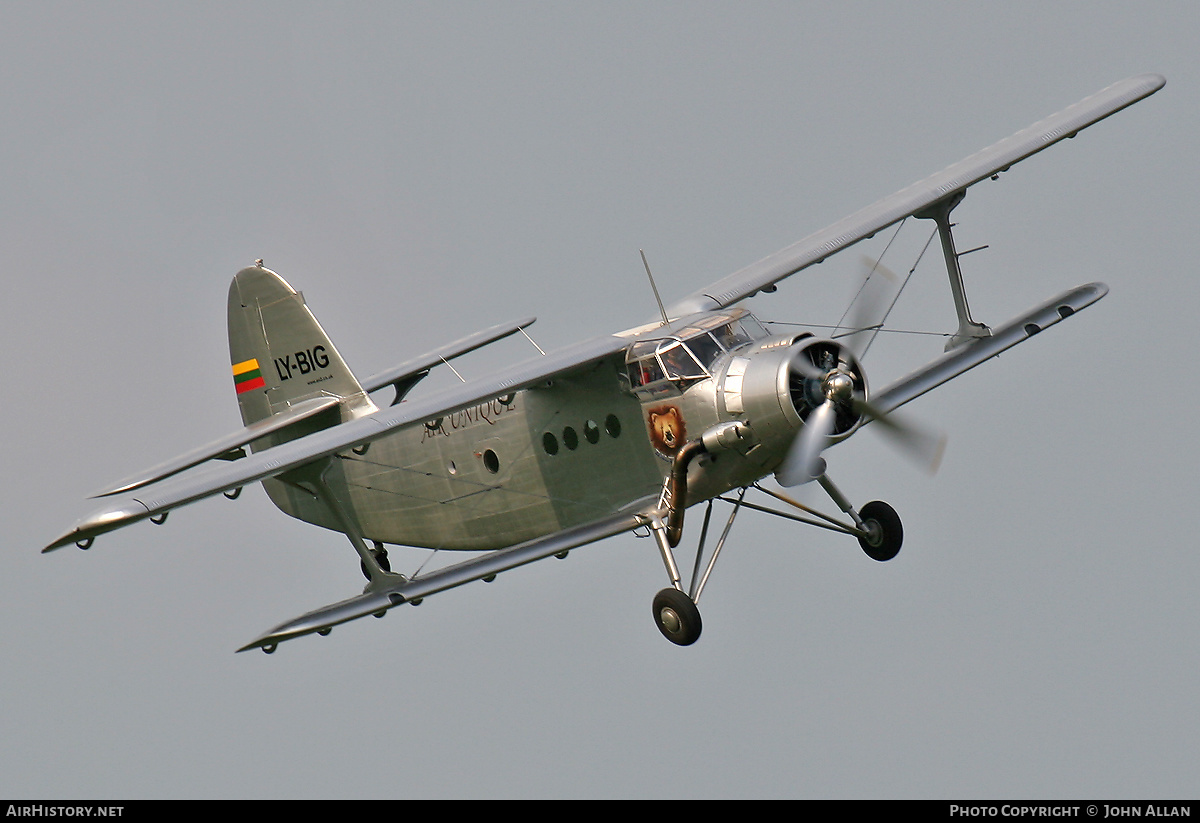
[[421, 171]]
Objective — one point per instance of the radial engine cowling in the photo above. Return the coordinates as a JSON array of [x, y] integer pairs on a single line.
[[786, 384]]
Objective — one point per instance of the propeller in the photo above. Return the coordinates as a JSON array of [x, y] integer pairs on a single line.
[[825, 382], [800, 464], [922, 445], [828, 390]]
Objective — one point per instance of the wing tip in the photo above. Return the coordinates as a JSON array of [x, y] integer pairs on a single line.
[[321, 621], [1154, 79], [105, 520]]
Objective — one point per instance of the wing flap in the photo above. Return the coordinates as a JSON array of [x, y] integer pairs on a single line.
[[920, 195], [396, 590]]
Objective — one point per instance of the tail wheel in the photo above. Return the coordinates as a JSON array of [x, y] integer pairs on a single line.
[[885, 533], [677, 617]]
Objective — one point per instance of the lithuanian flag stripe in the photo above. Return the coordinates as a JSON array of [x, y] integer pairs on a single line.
[[245, 366], [247, 376]]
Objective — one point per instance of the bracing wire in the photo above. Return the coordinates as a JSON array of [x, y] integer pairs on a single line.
[[863, 284], [879, 328], [899, 291]]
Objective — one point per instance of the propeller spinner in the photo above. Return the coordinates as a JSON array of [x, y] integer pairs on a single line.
[[828, 391]]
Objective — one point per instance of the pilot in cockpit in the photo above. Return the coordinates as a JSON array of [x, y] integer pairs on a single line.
[[677, 362]]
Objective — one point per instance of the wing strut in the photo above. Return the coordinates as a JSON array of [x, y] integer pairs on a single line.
[[939, 213]]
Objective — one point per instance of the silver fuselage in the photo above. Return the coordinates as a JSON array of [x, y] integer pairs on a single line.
[[554, 456]]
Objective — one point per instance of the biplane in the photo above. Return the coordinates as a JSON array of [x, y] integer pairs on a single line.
[[618, 433]]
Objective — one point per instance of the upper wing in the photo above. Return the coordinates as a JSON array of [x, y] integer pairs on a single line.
[[404, 376], [159, 498], [919, 196]]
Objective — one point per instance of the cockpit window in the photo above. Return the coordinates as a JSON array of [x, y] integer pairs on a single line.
[[646, 370], [754, 329], [689, 354], [731, 335], [705, 348], [679, 363], [652, 361]]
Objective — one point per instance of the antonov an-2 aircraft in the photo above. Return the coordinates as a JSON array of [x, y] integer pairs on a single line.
[[614, 434]]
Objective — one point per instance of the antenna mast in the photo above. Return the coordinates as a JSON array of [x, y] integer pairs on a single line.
[[657, 299]]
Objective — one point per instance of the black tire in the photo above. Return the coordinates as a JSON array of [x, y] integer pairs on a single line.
[[381, 557], [887, 532], [677, 617]]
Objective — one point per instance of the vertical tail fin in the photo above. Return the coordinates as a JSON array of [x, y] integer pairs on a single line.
[[280, 353]]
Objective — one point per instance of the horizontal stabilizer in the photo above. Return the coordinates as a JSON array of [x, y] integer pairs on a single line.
[[966, 357], [221, 448], [393, 589]]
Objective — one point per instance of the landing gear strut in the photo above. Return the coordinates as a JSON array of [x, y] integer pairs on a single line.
[[381, 557], [675, 611], [876, 526]]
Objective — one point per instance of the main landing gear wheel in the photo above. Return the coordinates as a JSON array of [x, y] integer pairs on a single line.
[[885, 532], [381, 557], [677, 617]]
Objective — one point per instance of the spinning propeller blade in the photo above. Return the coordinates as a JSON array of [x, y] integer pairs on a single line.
[[923, 446], [870, 306], [800, 464], [830, 375]]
